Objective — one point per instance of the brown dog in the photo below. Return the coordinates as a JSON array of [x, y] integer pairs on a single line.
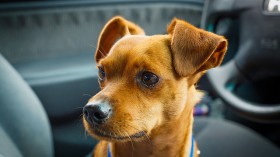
[[145, 106]]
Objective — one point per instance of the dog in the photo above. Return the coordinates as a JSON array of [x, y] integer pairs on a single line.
[[148, 88]]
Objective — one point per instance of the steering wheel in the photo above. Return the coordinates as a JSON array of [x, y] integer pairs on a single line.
[[257, 56]]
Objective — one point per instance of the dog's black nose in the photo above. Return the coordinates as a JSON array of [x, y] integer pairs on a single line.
[[97, 113]]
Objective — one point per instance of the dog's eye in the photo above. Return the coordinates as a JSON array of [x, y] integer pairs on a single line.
[[101, 74], [149, 79]]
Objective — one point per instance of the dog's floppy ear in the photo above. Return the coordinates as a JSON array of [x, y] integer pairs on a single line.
[[115, 29], [194, 50]]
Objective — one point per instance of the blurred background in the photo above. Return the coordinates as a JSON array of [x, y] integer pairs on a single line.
[[51, 45]]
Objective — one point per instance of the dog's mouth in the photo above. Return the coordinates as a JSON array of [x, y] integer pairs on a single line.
[[103, 132], [113, 136]]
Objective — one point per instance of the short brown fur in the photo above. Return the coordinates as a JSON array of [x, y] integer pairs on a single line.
[[163, 112]]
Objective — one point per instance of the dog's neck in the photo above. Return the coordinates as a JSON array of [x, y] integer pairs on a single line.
[[172, 139]]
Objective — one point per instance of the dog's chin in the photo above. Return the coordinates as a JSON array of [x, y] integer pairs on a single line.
[[118, 138], [114, 137]]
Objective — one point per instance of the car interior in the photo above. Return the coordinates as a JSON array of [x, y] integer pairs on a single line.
[[48, 73]]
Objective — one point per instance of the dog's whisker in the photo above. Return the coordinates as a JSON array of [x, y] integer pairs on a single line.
[[115, 134], [120, 134], [130, 142], [93, 46], [110, 134], [78, 108], [102, 53], [81, 116], [87, 95], [85, 134], [147, 136], [140, 120]]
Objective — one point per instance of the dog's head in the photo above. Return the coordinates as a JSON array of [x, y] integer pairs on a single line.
[[146, 80]]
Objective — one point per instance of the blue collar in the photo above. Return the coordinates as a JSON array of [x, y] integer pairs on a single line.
[[109, 152], [191, 153], [192, 148]]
